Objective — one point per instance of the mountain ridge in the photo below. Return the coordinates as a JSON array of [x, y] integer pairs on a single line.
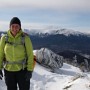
[[63, 31]]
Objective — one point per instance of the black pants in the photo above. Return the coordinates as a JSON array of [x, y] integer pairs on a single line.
[[13, 79]]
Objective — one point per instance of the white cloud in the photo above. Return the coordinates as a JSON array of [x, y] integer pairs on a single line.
[[4, 25], [71, 5]]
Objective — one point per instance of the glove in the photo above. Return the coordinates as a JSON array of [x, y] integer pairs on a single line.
[[28, 75], [1, 74]]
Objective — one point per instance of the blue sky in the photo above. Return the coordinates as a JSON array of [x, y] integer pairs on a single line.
[[70, 14]]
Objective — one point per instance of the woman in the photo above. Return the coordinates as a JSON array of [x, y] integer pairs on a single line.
[[18, 63]]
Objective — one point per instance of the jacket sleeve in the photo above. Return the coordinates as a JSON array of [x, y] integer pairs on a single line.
[[29, 51], [2, 45]]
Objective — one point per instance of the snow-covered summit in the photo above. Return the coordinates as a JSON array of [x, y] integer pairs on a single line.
[[66, 32], [47, 31]]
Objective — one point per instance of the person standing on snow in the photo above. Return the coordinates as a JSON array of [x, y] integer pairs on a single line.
[[18, 63]]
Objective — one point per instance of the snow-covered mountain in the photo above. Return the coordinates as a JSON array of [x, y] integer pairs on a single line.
[[67, 78], [46, 31], [66, 32], [60, 39]]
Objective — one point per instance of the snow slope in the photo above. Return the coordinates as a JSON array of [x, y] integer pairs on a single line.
[[67, 78]]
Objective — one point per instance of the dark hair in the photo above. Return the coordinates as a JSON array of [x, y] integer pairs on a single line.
[[15, 20]]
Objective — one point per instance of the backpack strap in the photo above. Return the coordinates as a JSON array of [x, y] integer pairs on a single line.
[[22, 40], [6, 38]]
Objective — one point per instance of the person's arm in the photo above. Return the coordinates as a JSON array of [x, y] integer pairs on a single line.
[[2, 45], [29, 50]]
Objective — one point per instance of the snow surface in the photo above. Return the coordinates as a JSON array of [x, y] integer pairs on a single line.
[[67, 78]]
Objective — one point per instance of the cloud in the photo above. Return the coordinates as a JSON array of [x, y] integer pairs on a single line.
[[67, 5], [66, 13], [4, 25]]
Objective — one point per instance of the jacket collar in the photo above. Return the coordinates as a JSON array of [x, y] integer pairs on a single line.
[[18, 34]]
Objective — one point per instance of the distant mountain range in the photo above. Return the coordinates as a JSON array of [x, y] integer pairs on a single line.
[[61, 40], [65, 32]]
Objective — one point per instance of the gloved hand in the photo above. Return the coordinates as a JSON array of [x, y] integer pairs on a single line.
[[1, 74], [28, 75]]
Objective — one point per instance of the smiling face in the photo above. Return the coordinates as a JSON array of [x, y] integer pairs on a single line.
[[14, 28]]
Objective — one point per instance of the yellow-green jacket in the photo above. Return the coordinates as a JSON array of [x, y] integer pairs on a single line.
[[16, 53]]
